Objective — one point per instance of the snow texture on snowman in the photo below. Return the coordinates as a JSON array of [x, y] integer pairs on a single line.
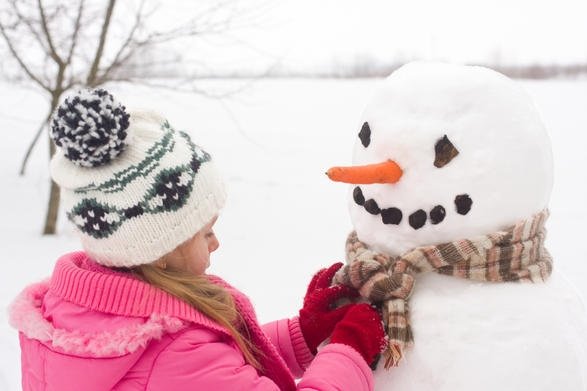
[[451, 178]]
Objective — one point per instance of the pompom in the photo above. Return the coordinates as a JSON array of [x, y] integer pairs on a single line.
[[90, 127]]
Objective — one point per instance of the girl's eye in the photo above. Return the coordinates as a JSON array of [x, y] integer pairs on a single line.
[[209, 234], [365, 135], [445, 151]]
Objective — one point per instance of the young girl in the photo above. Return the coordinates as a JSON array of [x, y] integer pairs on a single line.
[[135, 310]]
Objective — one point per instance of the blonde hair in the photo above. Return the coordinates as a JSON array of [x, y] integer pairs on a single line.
[[212, 300]]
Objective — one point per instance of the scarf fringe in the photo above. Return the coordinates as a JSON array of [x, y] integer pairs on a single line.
[[393, 355]]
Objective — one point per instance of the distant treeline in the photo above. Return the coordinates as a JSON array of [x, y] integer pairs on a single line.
[[540, 71], [371, 70]]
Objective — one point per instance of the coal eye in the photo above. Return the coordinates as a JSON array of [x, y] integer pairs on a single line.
[[365, 135], [445, 151]]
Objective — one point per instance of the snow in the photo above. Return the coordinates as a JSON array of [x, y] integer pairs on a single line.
[[283, 219], [475, 336]]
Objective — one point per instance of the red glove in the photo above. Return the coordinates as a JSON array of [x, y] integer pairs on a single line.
[[362, 330], [317, 318]]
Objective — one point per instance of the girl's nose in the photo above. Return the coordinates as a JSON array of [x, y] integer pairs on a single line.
[[213, 244]]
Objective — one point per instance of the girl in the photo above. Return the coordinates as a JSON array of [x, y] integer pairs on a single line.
[[135, 310]]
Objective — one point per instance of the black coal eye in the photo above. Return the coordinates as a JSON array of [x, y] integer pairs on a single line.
[[365, 135], [445, 151]]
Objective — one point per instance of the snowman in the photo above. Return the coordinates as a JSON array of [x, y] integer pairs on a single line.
[[451, 178]]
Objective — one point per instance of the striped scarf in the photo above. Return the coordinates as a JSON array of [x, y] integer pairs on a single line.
[[514, 255]]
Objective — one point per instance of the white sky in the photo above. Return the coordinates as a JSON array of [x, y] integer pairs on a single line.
[[304, 33]]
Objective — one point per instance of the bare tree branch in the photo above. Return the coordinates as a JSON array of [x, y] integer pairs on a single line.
[[201, 24], [48, 68], [126, 45], [20, 61], [33, 143], [101, 42], [71, 82], [75, 34], [30, 25], [54, 55]]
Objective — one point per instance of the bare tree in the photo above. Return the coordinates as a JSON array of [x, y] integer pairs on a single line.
[[58, 45]]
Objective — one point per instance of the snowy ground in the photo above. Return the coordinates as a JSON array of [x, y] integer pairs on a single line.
[[284, 219]]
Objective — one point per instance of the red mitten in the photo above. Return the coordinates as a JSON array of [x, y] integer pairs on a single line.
[[317, 317], [361, 329]]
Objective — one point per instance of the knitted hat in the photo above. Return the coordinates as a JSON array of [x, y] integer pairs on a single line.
[[134, 187]]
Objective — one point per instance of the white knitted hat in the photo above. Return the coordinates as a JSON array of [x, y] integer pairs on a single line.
[[134, 187]]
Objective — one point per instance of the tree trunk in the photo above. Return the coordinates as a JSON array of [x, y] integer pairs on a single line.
[[54, 193], [53, 206]]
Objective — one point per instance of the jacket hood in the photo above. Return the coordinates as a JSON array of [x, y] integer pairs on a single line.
[[26, 315]]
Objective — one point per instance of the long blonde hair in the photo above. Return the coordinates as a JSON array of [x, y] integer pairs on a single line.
[[212, 300]]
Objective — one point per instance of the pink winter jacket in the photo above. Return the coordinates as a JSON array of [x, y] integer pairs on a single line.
[[90, 328]]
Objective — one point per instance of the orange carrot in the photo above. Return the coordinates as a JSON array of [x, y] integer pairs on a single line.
[[386, 172]]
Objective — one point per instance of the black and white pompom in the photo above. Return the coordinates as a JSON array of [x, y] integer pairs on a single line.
[[90, 127]]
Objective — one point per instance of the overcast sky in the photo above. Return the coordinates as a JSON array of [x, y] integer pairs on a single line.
[[305, 33]]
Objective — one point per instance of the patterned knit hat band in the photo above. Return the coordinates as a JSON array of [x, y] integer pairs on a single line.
[[134, 192]]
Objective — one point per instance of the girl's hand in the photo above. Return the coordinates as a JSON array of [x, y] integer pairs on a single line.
[[317, 317], [361, 329]]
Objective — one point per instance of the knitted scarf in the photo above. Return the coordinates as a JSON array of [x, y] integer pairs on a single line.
[[514, 255]]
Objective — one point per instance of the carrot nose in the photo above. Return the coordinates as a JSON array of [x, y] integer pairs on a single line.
[[386, 172]]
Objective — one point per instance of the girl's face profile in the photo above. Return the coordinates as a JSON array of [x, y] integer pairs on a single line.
[[194, 255]]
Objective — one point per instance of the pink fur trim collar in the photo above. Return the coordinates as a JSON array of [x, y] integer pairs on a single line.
[[26, 316]]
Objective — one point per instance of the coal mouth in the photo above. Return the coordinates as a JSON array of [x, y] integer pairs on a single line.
[[417, 219]]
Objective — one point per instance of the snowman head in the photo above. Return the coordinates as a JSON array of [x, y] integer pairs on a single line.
[[445, 152]]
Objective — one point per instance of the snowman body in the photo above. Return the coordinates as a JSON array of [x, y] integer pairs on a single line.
[[468, 155], [492, 336]]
